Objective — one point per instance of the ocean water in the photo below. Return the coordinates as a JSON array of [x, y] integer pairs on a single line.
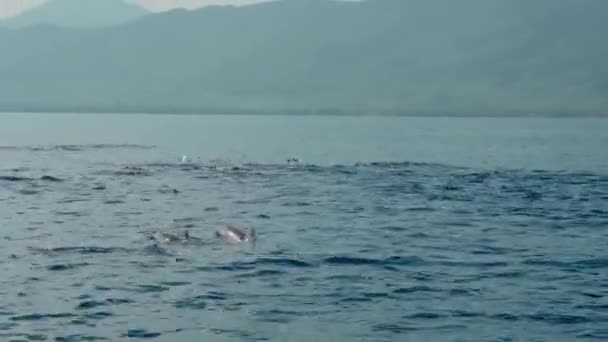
[[369, 228]]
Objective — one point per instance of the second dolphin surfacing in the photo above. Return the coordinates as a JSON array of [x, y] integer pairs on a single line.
[[234, 234]]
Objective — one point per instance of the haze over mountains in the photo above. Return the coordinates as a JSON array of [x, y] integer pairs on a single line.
[[470, 57]]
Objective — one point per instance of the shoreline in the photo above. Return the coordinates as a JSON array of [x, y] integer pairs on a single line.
[[304, 113]]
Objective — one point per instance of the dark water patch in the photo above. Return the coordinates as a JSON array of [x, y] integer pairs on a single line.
[[201, 301], [554, 318], [28, 192], [79, 321], [191, 303], [69, 213], [354, 300], [168, 191], [282, 262], [7, 325], [39, 317], [296, 204], [276, 316], [578, 264], [415, 289], [187, 219], [15, 179], [99, 315], [419, 235], [335, 260], [118, 301], [394, 228], [472, 264], [214, 295], [261, 273], [466, 314], [51, 179], [85, 147], [239, 334], [263, 216], [372, 295], [494, 250], [592, 295], [73, 200], [80, 338], [126, 172], [463, 292], [393, 328], [65, 267], [155, 249], [346, 277], [506, 274], [140, 333], [599, 334], [593, 263], [112, 202], [425, 315], [357, 261], [150, 288], [89, 304], [78, 250], [175, 283]]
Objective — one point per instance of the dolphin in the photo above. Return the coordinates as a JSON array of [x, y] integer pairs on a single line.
[[234, 234], [166, 238]]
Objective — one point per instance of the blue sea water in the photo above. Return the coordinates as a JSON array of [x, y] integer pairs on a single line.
[[369, 228]]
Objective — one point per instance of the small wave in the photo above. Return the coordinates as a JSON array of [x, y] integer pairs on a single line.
[[593, 263], [38, 317], [7, 326], [29, 337], [150, 288], [395, 260], [560, 319], [200, 302], [99, 315], [65, 267], [78, 250], [425, 315], [45, 178], [474, 264], [282, 262], [261, 273], [415, 289], [393, 328], [79, 338], [15, 179], [91, 304], [125, 171], [140, 333], [48, 178]]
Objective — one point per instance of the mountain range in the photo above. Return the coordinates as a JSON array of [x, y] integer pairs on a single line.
[[77, 14], [428, 57]]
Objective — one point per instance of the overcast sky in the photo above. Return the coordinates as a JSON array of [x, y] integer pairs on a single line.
[[10, 8]]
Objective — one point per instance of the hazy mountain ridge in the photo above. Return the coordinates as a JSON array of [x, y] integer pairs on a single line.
[[382, 56], [77, 14]]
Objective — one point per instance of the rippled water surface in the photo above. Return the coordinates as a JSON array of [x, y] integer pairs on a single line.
[[377, 229]]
